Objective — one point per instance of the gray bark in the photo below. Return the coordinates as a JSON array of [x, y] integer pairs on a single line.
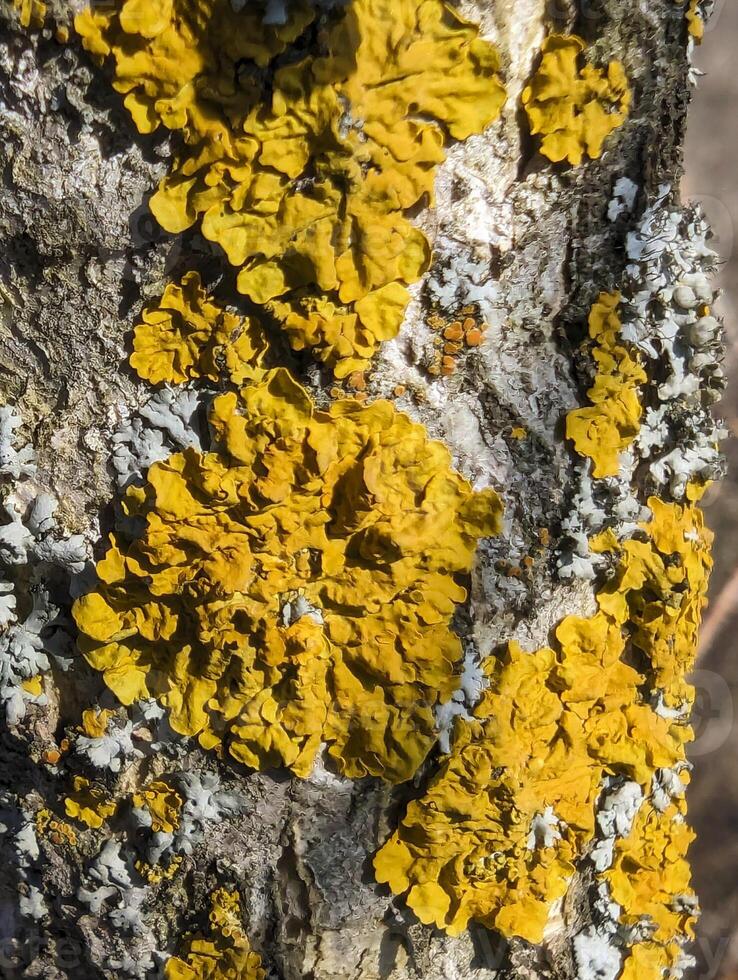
[[80, 254]]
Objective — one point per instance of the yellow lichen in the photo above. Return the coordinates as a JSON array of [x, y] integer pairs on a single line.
[[610, 424], [309, 189], [549, 728], [186, 335], [89, 804], [695, 21], [33, 685], [163, 804], [95, 722], [344, 336], [225, 954], [32, 13], [154, 874], [296, 586], [650, 880], [573, 108]]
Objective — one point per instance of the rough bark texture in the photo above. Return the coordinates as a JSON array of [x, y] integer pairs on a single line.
[[80, 254]]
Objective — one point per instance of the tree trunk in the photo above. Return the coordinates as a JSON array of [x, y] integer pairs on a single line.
[[523, 246]]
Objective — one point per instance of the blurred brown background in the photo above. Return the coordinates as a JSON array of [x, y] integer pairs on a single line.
[[712, 178]]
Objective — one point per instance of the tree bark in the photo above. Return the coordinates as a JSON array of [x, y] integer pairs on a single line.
[[534, 243]]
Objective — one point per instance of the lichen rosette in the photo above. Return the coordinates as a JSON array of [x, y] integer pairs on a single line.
[[295, 586], [186, 335], [574, 107], [305, 172]]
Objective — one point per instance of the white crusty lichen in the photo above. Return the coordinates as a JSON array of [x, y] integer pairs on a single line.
[[623, 199], [595, 956], [544, 830], [668, 786], [667, 317], [618, 808], [461, 277], [295, 608], [472, 683], [33, 554]]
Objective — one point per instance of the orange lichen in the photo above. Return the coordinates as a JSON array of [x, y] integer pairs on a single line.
[[574, 108], [453, 338], [95, 722], [33, 685], [603, 430], [695, 20], [154, 874], [58, 831], [296, 586], [549, 728], [186, 335]]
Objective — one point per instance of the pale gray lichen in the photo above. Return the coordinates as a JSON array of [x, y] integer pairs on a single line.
[[206, 803], [595, 957], [666, 288], [667, 786], [170, 421], [32, 555], [596, 505], [15, 463], [618, 808], [294, 609], [148, 714], [22, 656], [110, 750], [110, 879], [667, 315], [114, 887]]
